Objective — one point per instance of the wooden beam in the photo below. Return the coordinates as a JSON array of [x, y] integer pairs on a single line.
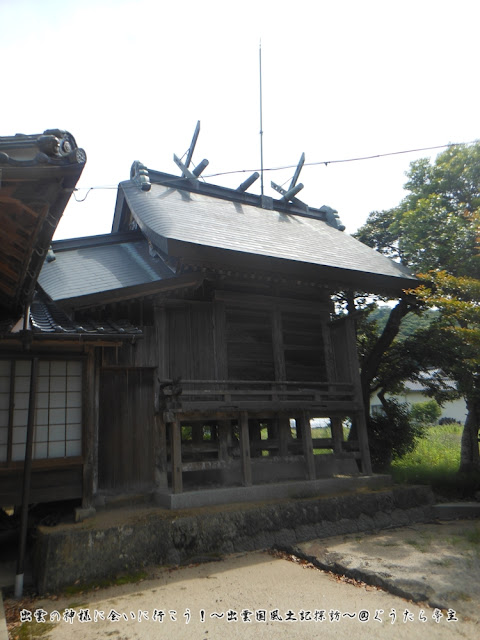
[[176, 456], [253, 300], [307, 443], [245, 449]]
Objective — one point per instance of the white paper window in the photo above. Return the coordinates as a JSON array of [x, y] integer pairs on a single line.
[[58, 412]]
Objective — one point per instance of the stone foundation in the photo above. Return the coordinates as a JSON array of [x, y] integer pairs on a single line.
[[93, 550]]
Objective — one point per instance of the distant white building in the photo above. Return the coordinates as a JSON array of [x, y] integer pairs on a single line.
[[415, 392]]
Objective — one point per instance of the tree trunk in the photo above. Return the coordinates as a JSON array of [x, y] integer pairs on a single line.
[[372, 362], [469, 457]]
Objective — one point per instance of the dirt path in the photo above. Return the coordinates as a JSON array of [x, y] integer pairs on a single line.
[[244, 596]]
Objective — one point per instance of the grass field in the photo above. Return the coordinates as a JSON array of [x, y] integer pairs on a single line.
[[435, 461]]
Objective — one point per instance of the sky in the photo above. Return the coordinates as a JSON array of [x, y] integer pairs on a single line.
[[340, 79]]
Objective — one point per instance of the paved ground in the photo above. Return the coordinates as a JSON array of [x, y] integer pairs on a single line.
[[244, 595], [438, 564]]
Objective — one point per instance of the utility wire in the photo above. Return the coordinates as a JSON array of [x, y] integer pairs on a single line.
[[293, 166], [327, 162]]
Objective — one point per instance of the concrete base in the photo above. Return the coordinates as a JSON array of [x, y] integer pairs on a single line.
[[456, 510], [261, 492]]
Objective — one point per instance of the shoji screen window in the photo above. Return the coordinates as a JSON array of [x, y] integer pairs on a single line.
[[58, 413]]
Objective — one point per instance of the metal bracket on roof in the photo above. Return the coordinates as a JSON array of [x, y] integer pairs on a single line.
[[186, 173]]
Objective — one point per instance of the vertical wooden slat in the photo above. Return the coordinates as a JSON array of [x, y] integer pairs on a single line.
[[329, 351], [245, 449], [11, 409], [96, 423], [161, 327], [277, 340], [306, 431], [176, 455], [88, 434], [220, 341]]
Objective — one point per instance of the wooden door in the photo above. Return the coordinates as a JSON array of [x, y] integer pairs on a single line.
[[125, 447]]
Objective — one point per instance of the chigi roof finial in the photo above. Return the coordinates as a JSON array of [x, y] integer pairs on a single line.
[[192, 176]]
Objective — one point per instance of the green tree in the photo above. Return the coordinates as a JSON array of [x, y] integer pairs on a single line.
[[435, 230], [427, 412]]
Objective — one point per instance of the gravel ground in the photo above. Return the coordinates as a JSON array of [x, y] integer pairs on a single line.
[[277, 594]]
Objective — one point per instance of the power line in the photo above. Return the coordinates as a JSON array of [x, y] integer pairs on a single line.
[[293, 166], [327, 162]]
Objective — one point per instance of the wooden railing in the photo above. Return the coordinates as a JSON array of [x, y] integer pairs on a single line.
[[191, 395]]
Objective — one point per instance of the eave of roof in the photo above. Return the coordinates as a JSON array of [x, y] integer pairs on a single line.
[[102, 268], [180, 221], [38, 174]]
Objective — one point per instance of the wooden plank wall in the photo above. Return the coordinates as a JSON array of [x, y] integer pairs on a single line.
[[47, 485], [303, 346], [249, 344], [191, 342]]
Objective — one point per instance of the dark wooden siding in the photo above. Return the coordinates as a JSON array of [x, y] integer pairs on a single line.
[[190, 342], [342, 358], [249, 344], [303, 347], [126, 429], [59, 482]]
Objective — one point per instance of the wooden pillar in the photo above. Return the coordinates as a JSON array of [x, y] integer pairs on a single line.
[[245, 449], [197, 433], [337, 434], [159, 423], [176, 455], [284, 435], [306, 431], [255, 438], [160, 444], [224, 439]]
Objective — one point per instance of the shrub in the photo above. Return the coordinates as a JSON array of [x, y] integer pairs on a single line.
[[447, 420], [392, 434]]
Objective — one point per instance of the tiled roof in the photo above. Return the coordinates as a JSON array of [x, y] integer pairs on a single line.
[[46, 318], [167, 214], [103, 263]]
